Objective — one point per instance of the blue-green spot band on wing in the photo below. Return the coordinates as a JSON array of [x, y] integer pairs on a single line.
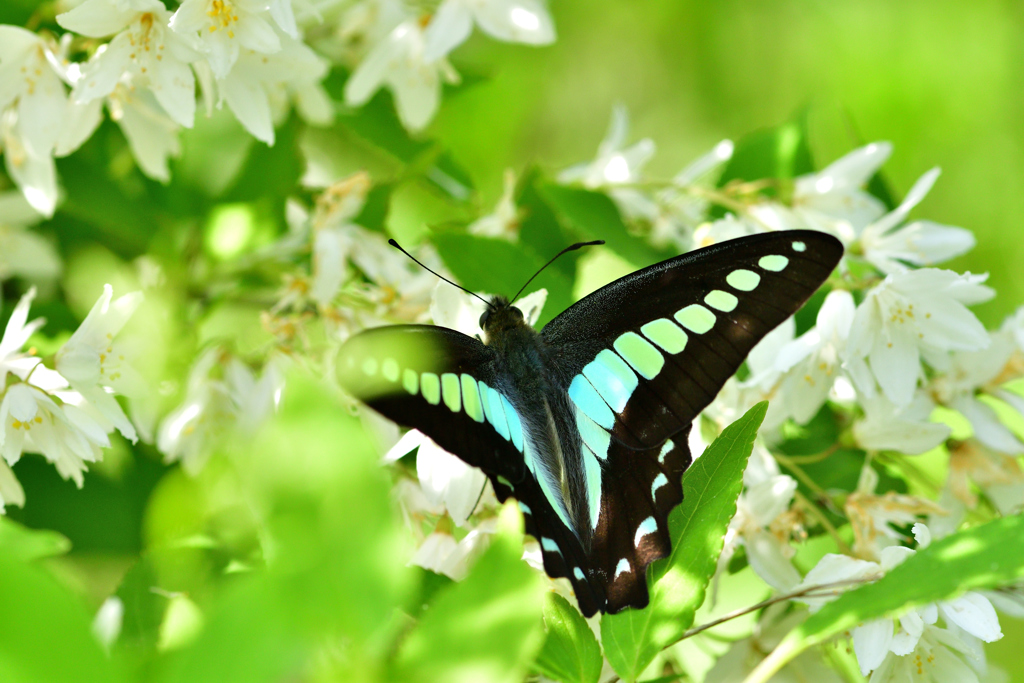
[[799, 246], [743, 280], [640, 354], [411, 381], [666, 334], [515, 426], [773, 262], [450, 391], [430, 385], [586, 398], [722, 301], [612, 379], [695, 318], [389, 368], [592, 435], [471, 398], [658, 482], [592, 470], [496, 413]]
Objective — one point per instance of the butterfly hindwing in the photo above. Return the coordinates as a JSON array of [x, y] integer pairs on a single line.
[[443, 383]]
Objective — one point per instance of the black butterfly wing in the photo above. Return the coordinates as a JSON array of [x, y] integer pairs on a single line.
[[441, 382], [641, 357]]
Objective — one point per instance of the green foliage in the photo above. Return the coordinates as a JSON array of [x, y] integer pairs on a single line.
[[484, 628], [782, 152], [23, 544], [571, 653], [44, 627], [710, 488], [985, 556], [594, 216]]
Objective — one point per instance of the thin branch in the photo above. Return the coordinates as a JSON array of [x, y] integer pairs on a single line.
[[803, 592], [824, 521]]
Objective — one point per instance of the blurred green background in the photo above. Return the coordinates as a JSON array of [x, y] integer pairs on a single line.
[[943, 81]]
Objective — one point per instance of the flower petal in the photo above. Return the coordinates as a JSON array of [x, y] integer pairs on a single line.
[[973, 613], [449, 28], [871, 643]]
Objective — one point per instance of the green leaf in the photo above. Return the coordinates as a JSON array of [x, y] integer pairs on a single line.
[[375, 210], [711, 486], [539, 229], [571, 653], [336, 571], [25, 544], [496, 266], [45, 630], [985, 556], [484, 628], [780, 152], [594, 216]]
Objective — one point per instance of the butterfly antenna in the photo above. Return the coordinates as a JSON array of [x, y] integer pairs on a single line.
[[397, 246], [573, 247]]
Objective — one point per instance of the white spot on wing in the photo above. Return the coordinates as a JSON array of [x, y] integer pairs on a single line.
[[621, 568], [648, 526]]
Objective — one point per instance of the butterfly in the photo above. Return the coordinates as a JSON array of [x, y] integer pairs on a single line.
[[585, 422]]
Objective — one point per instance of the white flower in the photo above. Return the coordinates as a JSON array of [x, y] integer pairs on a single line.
[[334, 233], [191, 431], [66, 435], [255, 399], [971, 371], [155, 57], [832, 200], [24, 253], [885, 645], [613, 164], [921, 243], [441, 554], [106, 625], [899, 428], [93, 362], [812, 361], [258, 81], [398, 62], [445, 479], [33, 107], [224, 28], [11, 492], [760, 524], [910, 314], [679, 209], [151, 135], [998, 475], [513, 21], [874, 517], [17, 332], [403, 288], [503, 222]]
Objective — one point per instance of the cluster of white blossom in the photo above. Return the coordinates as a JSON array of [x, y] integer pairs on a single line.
[[894, 340], [144, 63], [64, 407]]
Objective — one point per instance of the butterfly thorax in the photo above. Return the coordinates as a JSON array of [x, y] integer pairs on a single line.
[[543, 406]]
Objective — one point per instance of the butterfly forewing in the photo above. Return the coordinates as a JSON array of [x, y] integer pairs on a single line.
[[441, 382], [656, 346]]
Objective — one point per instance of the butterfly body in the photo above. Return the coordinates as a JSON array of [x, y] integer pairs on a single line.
[[585, 422]]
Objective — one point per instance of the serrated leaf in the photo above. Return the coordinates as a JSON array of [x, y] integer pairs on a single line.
[[985, 556], [570, 653], [484, 628], [711, 486], [594, 216]]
